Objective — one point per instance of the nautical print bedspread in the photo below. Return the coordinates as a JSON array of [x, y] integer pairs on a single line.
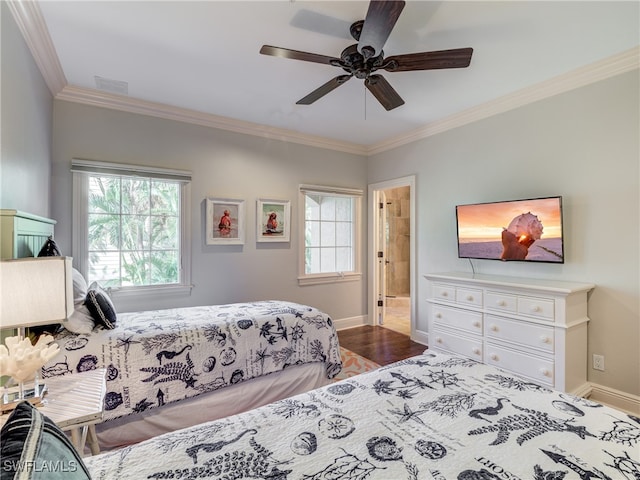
[[156, 357], [432, 417]]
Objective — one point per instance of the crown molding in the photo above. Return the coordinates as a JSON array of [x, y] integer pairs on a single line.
[[36, 35], [601, 70], [34, 30], [98, 98]]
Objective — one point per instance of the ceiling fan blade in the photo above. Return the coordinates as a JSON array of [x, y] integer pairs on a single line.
[[298, 55], [380, 20], [383, 91], [456, 58], [323, 90]]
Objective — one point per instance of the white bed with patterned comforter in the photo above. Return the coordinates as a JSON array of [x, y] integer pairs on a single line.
[[157, 358], [432, 417]]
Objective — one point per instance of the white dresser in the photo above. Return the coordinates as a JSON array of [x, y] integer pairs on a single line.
[[534, 328]]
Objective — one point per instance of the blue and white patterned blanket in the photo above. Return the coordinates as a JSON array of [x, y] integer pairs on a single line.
[[431, 417], [161, 356]]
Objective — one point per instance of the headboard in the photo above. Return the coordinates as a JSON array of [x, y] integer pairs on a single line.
[[23, 234]]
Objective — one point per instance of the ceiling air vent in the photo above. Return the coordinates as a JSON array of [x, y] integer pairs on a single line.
[[112, 86]]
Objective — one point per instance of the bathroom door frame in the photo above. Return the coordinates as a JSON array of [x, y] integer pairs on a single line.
[[376, 226]]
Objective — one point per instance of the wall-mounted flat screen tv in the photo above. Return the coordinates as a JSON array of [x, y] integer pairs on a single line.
[[527, 230]]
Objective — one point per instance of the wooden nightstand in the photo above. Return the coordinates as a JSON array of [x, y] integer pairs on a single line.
[[75, 403]]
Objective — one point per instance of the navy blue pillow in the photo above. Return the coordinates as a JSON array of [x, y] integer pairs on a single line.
[[101, 307], [34, 447], [49, 249]]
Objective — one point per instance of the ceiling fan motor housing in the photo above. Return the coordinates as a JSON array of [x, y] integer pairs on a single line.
[[353, 62]]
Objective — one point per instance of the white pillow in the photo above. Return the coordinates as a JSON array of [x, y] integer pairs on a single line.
[[80, 320], [79, 288]]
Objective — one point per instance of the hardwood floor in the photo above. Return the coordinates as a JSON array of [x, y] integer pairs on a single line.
[[382, 345]]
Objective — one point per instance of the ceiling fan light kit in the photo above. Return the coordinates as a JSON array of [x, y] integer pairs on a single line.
[[361, 60]]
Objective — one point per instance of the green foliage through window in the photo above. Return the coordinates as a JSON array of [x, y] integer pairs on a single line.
[[134, 231]]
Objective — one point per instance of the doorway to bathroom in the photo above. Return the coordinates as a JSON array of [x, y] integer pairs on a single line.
[[392, 253], [397, 263]]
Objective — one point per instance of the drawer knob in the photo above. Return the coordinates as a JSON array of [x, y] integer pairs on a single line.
[[494, 328], [469, 298], [501, 303], [476, 351], [545, 372], [536, 309], [476, 324], [545, 339], [445, 294], [438, 340], [494, 357], [438, 315]]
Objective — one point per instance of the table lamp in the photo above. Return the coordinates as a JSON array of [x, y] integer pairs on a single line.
[[33, 291]]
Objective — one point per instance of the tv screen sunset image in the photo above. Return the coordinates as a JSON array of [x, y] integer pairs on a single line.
[[528, 230]]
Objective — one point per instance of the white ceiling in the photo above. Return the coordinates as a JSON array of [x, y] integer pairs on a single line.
[[203, 56]]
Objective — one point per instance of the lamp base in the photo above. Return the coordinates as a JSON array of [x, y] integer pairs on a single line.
[[11, 397]]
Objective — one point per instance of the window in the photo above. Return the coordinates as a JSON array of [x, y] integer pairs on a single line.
[[330, 222], [131, 226]]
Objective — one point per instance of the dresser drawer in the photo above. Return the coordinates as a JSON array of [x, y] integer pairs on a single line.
[[458, 318], [502, 302], [536, 307], [444, 292], [469, 296], [450, 342], [523, 333], [538, 369]]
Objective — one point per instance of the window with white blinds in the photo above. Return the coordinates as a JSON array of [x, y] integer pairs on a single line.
[[131, 225], [330, 223]]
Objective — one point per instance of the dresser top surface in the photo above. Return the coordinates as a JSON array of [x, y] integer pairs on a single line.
[[541, 284]]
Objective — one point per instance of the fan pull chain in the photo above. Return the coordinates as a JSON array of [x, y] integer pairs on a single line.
[[365, 100]]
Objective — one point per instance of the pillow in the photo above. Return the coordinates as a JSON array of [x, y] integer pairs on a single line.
[[32, 446], [79, 288], [80, 320], [34, 332], [101, 307], [49, 249]]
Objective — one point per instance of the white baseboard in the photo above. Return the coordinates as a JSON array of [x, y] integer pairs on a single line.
[[419, 336], [615, 398], [583, 390], [351, 322], [359, 321]]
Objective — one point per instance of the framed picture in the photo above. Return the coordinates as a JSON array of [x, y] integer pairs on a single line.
[[225, 221], [274, 220]]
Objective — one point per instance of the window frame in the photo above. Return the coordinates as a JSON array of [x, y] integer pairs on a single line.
[[330, 277], [81, 170]]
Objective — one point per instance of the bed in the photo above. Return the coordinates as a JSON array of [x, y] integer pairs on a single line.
[[432, 416], [209, 361]]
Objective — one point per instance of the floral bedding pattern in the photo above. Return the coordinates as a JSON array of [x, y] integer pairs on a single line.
[[161, 356], [430, 417]]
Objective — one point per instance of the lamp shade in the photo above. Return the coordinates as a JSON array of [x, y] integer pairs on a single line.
[[35, 291]]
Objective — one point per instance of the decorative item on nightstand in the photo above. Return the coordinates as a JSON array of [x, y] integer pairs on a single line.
[[33, 291]]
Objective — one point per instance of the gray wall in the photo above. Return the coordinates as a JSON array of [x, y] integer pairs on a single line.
[[225, 165], [25, 137], [583, 145]]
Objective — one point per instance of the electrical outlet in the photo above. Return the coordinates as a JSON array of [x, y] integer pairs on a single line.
[[598, 362]]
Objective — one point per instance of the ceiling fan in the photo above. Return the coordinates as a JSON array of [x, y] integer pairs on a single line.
[[361, 60]]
